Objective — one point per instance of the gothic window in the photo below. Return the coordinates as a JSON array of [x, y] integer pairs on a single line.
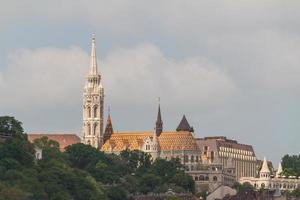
[[89, 112], [95, 129], [89, 129], [197, 159], [201, 178], [95, 111], [215, 178]]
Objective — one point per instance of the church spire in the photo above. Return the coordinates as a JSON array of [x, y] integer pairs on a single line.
[[109, 128], [93, 62], [159, 122]]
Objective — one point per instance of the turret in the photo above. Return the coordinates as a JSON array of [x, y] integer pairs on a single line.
[[264, 172]]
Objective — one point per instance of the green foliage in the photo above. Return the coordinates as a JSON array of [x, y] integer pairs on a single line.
[[50, 149], [12, 126], [81, 172], [242, 187], [292, 164], [117, 193]]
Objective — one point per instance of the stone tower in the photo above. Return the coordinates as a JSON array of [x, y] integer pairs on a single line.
[[93, 100]]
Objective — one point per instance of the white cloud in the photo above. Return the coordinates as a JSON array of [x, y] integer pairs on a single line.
[[40, 77], [142, 73], [52, 76]]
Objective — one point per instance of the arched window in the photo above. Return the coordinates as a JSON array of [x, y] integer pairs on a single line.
[[95, 129], [192, 158], [215, 178], [89, 112], [95, 111], [201, 178], [90, 129], [196, 178]]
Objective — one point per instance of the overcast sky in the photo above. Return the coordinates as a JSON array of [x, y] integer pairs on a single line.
[[233, 67]]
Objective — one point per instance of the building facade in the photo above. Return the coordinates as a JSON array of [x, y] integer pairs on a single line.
[[209, 177], [267, 180], [93, 100], [179, 144], [229, 153]]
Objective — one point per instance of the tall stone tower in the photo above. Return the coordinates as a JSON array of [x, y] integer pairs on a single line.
[[93, 100]]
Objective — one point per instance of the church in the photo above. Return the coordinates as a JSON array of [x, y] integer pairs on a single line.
[[159, 143], [180, 143]]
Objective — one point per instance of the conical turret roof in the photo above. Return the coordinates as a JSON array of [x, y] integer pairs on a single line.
[[265, 168], [279, 170]]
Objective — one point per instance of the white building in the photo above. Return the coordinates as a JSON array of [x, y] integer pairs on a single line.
[[268, 181]]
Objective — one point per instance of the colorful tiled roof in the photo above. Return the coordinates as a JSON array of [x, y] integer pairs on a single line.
[[182, 140], [63, 139]]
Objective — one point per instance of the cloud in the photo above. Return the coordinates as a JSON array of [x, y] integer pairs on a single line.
[[231, 65], [142, 73], [50, 80], [39, 77]]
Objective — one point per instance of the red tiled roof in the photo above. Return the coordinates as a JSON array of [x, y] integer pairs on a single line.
[[63, 139]]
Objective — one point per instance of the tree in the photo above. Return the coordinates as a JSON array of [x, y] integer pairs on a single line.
[[117, 193], [10, 125], [50, 148], [291, 162], [149, 182], [81, 155]]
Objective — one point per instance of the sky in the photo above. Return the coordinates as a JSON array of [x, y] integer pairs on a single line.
[[232, 67]]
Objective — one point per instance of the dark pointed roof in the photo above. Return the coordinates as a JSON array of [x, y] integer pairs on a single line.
[[108, 129], [184, 125], [159, 123], [158, 115]]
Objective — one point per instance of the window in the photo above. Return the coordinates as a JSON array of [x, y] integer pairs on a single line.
[[95, 111], [95, 129], [201, 178], [186, 158], [89, 129], [89, 112], [192, 158], [215, 178], [197, 159], [147, 147]]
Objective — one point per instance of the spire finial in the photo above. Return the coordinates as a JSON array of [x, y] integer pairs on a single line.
[[108, 110], [93, 64]]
